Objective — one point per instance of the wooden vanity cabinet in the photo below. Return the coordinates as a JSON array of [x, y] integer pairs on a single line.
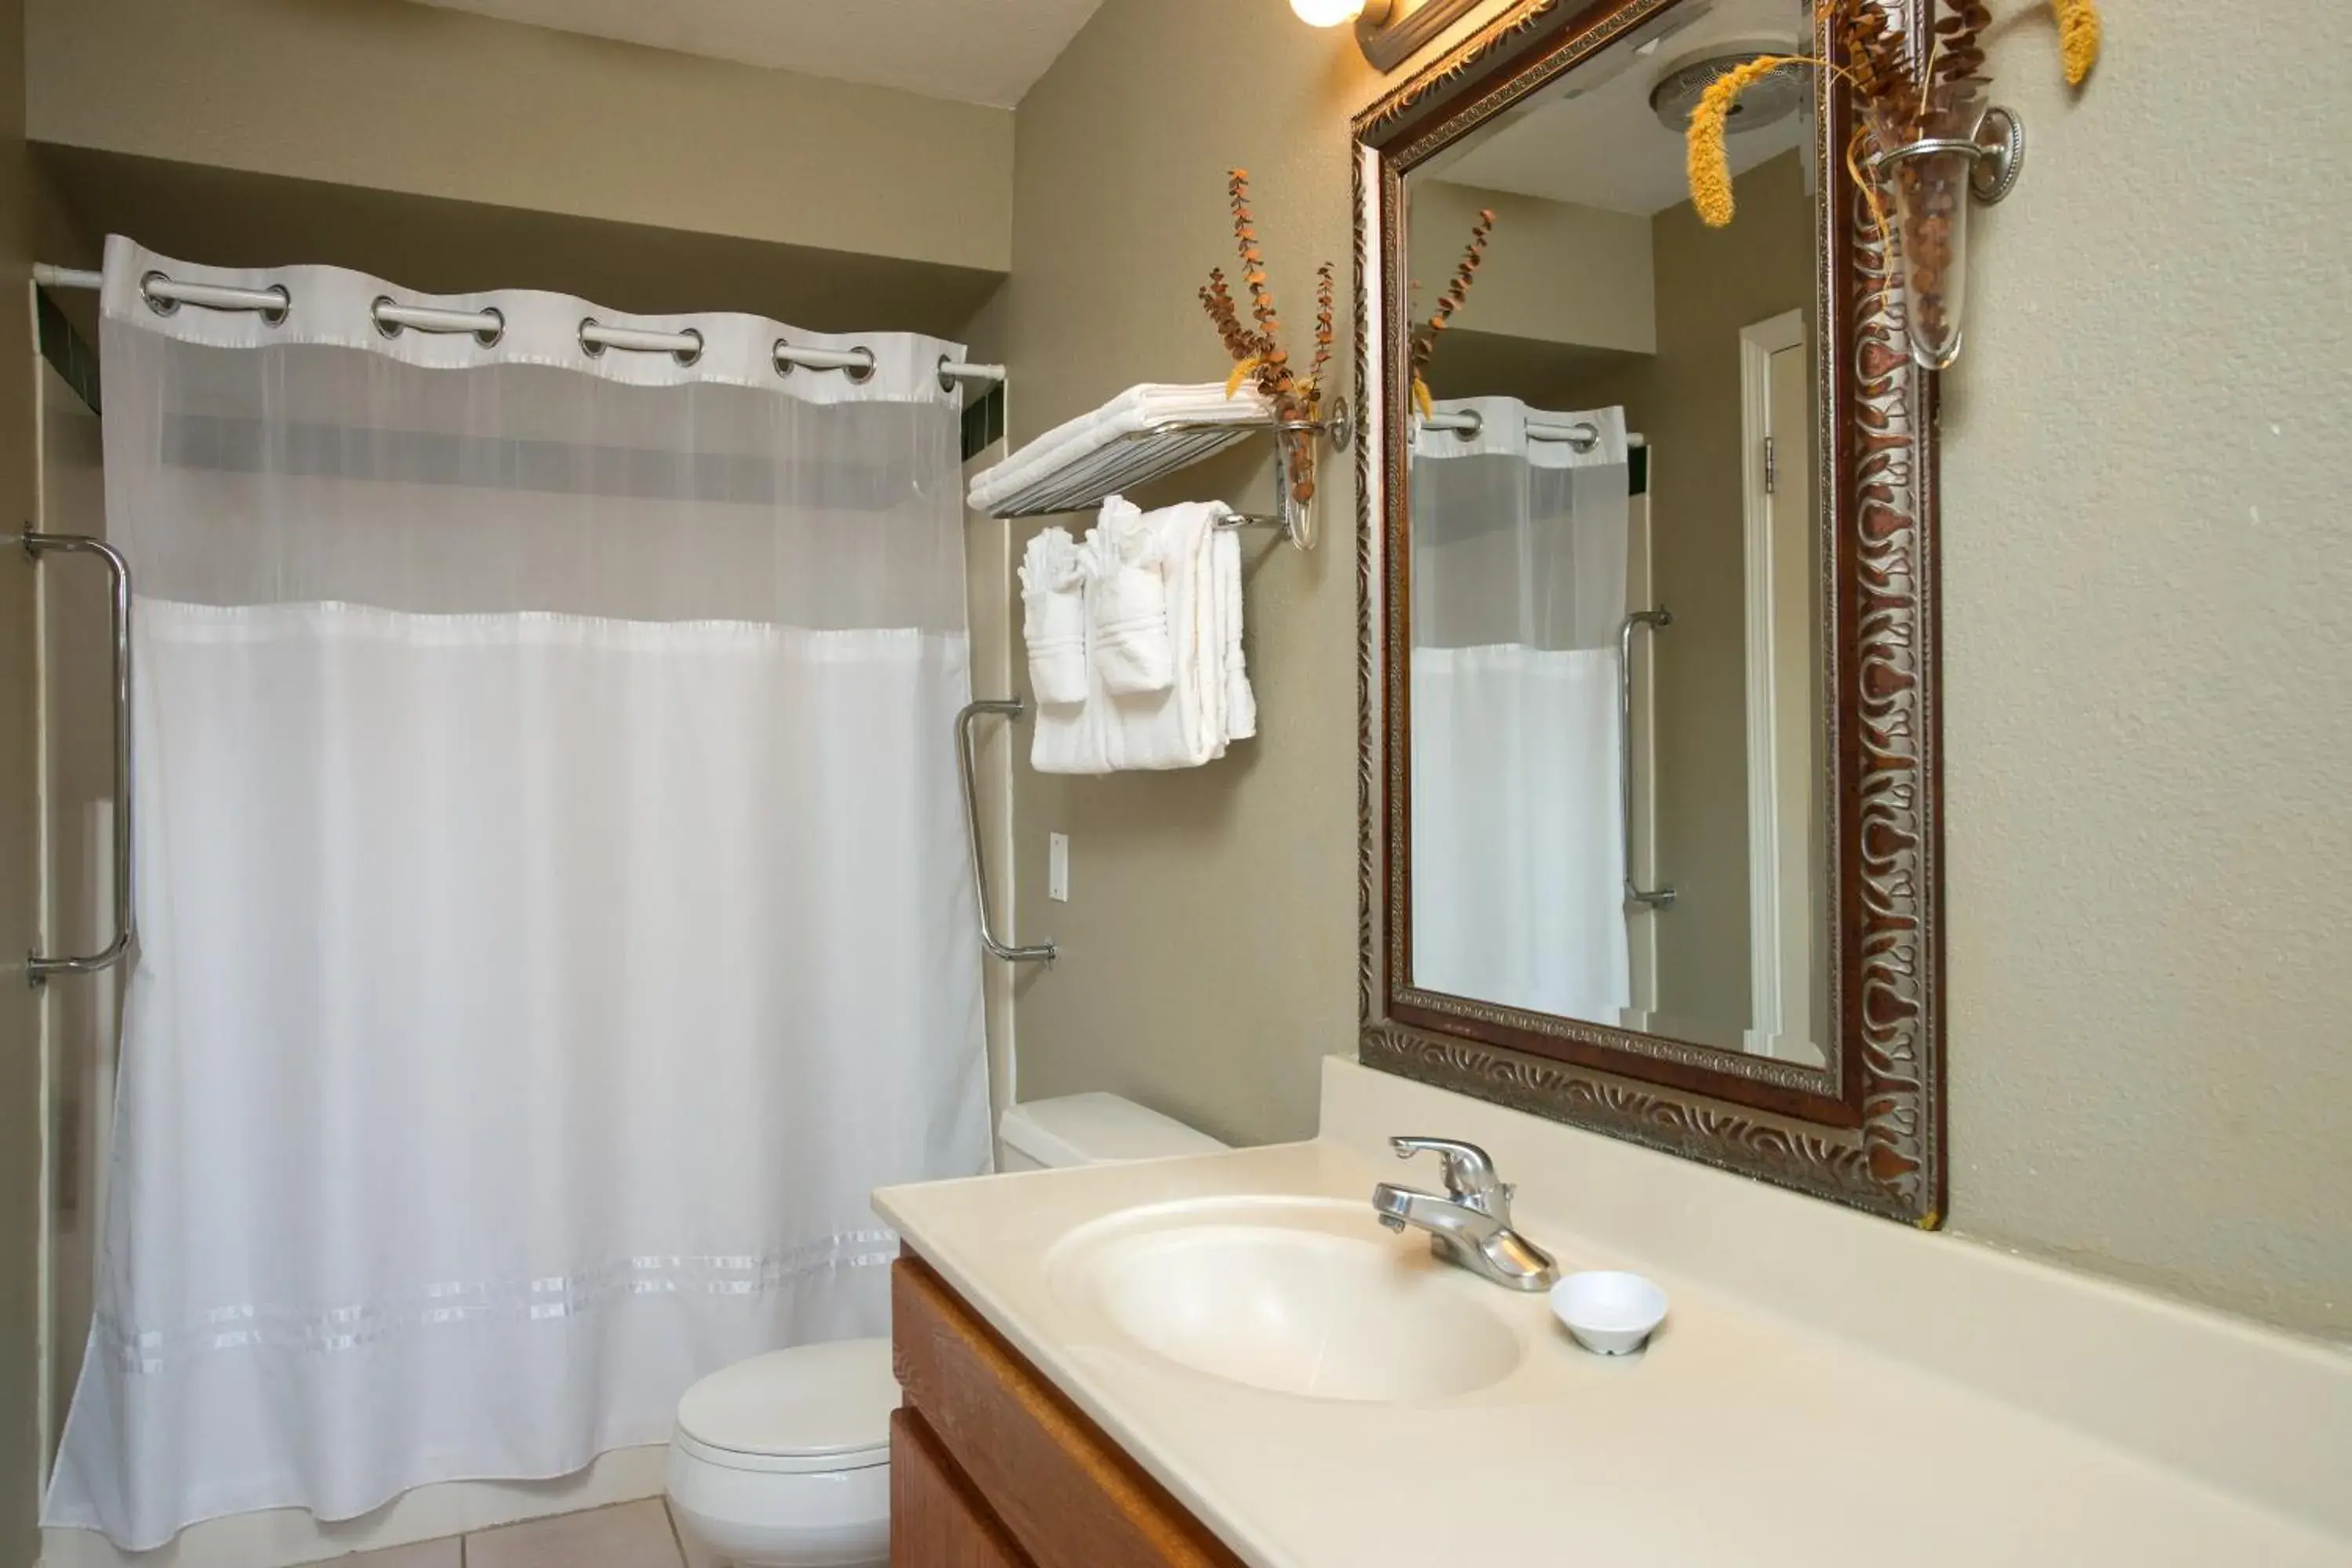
[[991, 1467]]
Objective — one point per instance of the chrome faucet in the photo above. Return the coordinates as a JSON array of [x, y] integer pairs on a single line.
[[1471, 1225]]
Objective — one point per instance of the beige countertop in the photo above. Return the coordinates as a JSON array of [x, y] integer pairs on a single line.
[[1744, 1434]]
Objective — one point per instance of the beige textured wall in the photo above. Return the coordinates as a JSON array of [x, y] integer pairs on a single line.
[[2148, 864], [2146, 656], [1208, 948], [422, 102], [20, 1131], [1553, 271]]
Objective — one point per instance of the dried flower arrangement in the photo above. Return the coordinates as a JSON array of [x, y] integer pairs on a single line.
[[1257, 343], [1457, 293], [1911, 91]]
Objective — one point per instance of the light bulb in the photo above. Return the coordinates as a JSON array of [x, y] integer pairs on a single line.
[[1328, 13]]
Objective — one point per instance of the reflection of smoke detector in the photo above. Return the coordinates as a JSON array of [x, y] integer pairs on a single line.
[[1766, 103], [1642, 44]]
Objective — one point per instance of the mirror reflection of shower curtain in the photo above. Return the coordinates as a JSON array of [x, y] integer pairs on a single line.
[[1518, 587], [551, 881]]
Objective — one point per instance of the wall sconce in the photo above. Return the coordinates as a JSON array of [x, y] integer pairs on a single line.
[[1388, 31]]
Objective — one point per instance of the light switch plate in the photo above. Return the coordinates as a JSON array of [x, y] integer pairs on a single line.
[[1057, 867]]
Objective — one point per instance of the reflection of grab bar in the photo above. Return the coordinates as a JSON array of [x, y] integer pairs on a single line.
[[1651, 897], [1040, 952], [118, 579]]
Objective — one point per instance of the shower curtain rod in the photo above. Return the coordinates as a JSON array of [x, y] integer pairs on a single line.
[[391, 317], [1583, 435]]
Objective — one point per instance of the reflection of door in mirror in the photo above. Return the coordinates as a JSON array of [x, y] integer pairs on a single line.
[[1788, 869], [1616, 683]]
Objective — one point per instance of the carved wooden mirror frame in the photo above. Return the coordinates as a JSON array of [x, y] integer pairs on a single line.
[[1867, 1128]]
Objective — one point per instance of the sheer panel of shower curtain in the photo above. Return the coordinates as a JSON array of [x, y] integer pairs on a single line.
[[1518, 589], [550, 877]]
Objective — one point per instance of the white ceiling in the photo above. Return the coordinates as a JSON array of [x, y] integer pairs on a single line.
[[1604, 147], [974, 52]]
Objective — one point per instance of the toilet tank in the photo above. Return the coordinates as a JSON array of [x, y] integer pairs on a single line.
[[1092, 1130]]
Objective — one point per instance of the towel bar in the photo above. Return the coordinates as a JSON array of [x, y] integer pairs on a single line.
[[1011, 707], [37, 966], [1649, 898]]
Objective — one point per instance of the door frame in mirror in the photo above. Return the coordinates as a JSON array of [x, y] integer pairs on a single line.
[[1866, 1129]]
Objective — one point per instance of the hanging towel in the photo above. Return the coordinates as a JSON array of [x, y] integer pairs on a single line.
[[1127, 612], [1241, 702], [1185, 725], [1054, 617], [1207, 701], [1091, 436]]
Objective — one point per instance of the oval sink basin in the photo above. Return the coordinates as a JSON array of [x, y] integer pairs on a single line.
[[1293, 1308]]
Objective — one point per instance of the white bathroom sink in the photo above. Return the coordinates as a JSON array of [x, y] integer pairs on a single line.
[[1307, 1298]]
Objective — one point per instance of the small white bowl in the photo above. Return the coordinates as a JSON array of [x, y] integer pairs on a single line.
[[1609, 1312]]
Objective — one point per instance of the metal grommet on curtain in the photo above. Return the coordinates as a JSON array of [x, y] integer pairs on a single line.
[[781, 356], [592, 349], [947, 381], [1584, 436], [488, 336], [687, 356], [1472, 431], [864, 373], [375, 314], [285, 302], [162, 307]]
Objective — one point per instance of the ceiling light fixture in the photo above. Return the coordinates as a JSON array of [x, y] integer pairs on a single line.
[[1328, 13]]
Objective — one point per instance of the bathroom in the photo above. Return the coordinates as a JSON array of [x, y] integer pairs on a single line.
[[2076, 1287]]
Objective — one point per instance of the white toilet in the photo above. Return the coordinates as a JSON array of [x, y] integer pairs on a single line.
[[784, 1460]]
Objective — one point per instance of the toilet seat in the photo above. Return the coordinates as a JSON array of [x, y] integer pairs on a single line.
[[784, 1460], [795, 1412]]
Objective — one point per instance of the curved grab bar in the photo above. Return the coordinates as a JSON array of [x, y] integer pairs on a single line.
[[38, 968], [1012, 708], [1650, 898]]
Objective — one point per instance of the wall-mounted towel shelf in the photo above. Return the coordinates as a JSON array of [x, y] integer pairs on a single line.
[[1161, 446]]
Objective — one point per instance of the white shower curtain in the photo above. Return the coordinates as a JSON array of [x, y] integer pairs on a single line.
[[1518, 589], [554, 919]]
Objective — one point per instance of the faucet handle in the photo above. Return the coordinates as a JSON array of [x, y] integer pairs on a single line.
[[1468, 1170]]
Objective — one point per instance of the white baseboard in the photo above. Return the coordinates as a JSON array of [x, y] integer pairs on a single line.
[[284, 1537]]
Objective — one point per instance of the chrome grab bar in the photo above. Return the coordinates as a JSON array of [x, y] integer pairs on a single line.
[[36, 967], [1012, 708], [1651, 898]]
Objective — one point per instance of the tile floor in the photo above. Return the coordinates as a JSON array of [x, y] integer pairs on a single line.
[[626, 1535]]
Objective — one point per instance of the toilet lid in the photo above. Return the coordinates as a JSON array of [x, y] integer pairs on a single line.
[[816, 1407]]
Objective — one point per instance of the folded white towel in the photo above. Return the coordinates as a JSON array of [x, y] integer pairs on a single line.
[[1207, 702], [1127, 612], [1053, 573], [1183, 726], [1241, 702], [1089, 437]]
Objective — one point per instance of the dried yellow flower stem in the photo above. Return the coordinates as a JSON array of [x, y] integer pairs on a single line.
[[1241, 369], [1709, 166], [2078, 37]]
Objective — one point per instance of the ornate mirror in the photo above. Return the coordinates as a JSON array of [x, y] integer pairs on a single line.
[[1648, 608]]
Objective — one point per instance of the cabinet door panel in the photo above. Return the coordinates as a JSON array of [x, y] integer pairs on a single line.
[[936, 1518], [1068, 1496]]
